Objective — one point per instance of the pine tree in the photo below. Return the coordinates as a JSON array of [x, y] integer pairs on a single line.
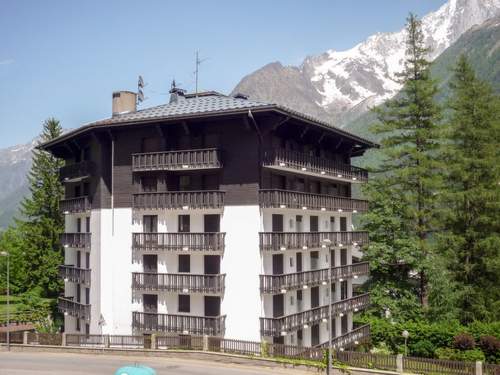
[[42, 222], [410, 139], [471, 198]]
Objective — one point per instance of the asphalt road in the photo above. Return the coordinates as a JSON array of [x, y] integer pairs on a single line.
[[42, 363]]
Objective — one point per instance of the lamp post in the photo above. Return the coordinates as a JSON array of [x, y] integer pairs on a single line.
[[6, 254], [406, 334], [328, 243]]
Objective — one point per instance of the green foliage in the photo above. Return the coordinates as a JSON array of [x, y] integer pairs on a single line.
[[423, 348], [460, 355], [470, 200]]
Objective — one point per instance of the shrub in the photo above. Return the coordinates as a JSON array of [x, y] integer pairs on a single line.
[[460, 355], [423, 348], [446, 353], [490, 346], [464, 341]]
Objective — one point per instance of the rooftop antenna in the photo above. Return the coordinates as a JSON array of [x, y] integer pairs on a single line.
[[196, 72], [140, 90]]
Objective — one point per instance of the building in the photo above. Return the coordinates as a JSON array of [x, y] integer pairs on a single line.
[[208, 215]]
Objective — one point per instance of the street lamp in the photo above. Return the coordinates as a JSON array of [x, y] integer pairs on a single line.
[[406, 334], [6, 254], [328, 244]]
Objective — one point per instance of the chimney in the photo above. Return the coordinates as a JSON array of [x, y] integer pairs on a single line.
[[124, 102], [176, 93]]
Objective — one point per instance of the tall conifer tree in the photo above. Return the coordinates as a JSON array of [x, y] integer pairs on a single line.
[[409, 171], [471, 195], [42, 223]]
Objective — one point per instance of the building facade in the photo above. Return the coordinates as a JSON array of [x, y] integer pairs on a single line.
[[211, 215]]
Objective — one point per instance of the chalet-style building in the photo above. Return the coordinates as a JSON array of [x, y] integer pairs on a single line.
[[211, 215]]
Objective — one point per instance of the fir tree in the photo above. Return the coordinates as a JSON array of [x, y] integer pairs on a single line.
[[410, 139], [471, 197], [42, 222]]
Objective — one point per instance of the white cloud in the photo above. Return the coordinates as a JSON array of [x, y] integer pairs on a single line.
[[7, 62]]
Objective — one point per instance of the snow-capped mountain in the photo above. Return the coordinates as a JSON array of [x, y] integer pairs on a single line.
[[341, 85]]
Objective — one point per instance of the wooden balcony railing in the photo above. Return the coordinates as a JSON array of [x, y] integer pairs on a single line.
[[68, 306], [274, 198], [275, 326], [180, 200], [307, 240], [77, 170], [212, 241], [176, 160], [74, 205], [179, 282], [308, 164], [74, 274], [355, 337], [277, 283], [185, 324], [75, 240]]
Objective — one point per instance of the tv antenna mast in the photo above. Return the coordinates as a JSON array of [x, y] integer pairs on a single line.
[[196, 72], [140, 90]]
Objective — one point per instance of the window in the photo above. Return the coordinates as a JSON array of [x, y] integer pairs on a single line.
[[277, 223], [314, 226], [87, 224], [184, 303], [184, 223], [87, 296], [298, 220], [184, 263], [87, 260], [343, 257], [314, 260], [78, 191], [87, 329], [77, 325], [86, 189], [150, 223], [78, 259], [299, 334], [291, 262], [211, 223], [332, 223], [79, 225], [291, 301], [343, 289]]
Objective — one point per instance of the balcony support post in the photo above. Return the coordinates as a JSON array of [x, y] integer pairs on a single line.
[[399, 363], [205, 343], [63, 339]]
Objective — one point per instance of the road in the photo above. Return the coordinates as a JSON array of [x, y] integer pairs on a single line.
[[43, 363]]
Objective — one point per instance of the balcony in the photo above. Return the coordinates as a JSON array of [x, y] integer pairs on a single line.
[[274, 198], [179, 200], [69, 307], [288, 323], [193, 242], [77, 171], [74, 274], [355, 337], [74, 205], [273, 241], [79, 240], [183, 324], [278, 283], [176, 160], [177, 282], [297, 162]]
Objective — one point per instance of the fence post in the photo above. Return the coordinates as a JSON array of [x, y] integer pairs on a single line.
[[205, 343], [106, 341], [63, 339], [25, 338], [479, 368], [399, 363], [153, 341]]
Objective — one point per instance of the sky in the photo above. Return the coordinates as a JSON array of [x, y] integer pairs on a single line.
[[64, 58]]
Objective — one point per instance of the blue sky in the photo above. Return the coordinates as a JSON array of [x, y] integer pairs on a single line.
[[64, 58]]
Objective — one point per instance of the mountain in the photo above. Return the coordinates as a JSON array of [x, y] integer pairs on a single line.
[[15, 163], [340, 86], [481, 45]]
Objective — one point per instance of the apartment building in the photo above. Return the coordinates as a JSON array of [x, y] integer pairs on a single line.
[[211, 215]]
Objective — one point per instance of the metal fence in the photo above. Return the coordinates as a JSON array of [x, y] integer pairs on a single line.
[[414, 365]]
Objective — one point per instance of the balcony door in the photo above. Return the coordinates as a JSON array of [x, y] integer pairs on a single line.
[[278, 305], [212, 306], [298, 261], [298, 221], [150, 263], [314, 224], [184, 224], [78, 259], [314, 297], [343, 257], [314, 260], [150, 223], [278, 264], [211, 223], [343, 224], [277, 223], [315, 335], [150, 303], [151, 144], [211, 264]]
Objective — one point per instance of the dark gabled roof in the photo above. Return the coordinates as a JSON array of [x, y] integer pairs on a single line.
[[209, 103]]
